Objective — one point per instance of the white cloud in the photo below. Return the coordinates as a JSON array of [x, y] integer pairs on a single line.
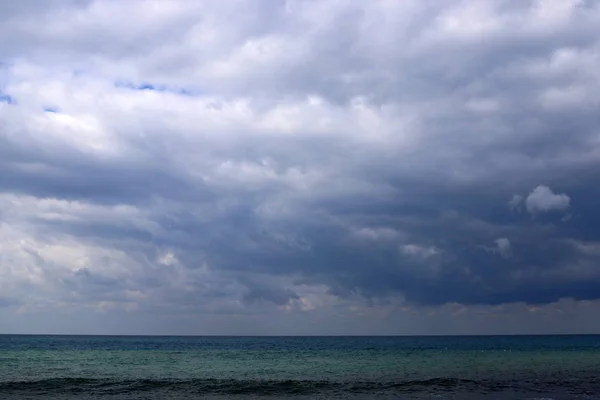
[[416, 250], [376, 233], [542, 199]]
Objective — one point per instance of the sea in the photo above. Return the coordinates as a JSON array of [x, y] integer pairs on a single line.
[[434, 367]]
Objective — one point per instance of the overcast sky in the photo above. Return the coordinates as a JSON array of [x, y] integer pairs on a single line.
[[299, 167]]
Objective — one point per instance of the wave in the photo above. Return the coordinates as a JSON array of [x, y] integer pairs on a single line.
[[172, 388], [224, 386]]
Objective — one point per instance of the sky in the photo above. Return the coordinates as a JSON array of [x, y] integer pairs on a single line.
[[299, 167]]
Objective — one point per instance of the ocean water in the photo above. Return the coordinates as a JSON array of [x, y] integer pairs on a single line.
[[467, 367]]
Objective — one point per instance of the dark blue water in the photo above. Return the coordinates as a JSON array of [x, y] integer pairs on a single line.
[[129, 367]]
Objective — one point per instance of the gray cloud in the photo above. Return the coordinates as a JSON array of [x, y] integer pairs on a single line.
[[542, 199], [309, 161], [503, 246], [515, 202]]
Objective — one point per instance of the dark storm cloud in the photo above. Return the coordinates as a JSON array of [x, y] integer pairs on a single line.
[[449, 263], [259, 291], [69, 173]]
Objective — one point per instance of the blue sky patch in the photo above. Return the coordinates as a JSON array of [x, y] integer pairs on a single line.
[[6, 98], [154, 87]]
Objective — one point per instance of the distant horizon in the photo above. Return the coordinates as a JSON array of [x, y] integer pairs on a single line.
[[301, 336]]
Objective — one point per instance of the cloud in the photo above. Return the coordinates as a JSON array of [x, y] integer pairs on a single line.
[[503, 245], [542, 199], [419, 251], [270, 293], [515, 202], [284, 165]]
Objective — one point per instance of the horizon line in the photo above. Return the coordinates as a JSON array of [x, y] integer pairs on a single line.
[[299, 336]]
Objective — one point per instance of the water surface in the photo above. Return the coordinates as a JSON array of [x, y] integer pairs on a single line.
[[132, 367]]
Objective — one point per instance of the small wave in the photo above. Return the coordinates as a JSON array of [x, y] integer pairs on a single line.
[[223, 386]]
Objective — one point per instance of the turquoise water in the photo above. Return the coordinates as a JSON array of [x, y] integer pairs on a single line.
[[90, 367]]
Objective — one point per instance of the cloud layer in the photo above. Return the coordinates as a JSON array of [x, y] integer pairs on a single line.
[[418, 165]]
